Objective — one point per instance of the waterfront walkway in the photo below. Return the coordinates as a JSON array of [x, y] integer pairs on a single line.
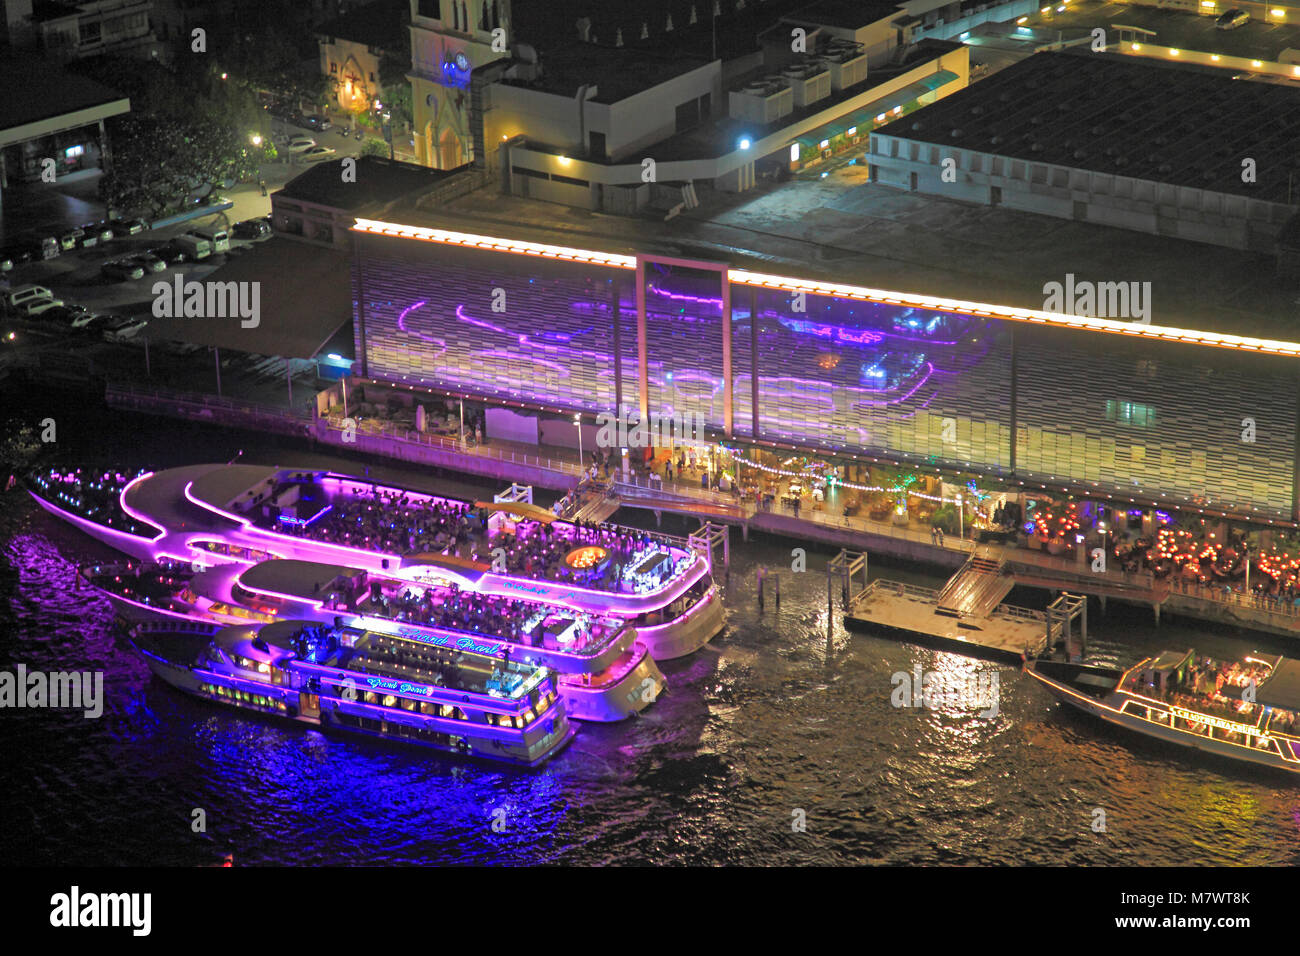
[[560, 469]]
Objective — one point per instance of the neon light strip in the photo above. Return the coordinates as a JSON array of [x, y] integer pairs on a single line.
[[516, 246], [935, 303], [863, 293]]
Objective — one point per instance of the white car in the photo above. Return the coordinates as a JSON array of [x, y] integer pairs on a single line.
[[122, 329], [35, 307], [317, 153], [299, 144]]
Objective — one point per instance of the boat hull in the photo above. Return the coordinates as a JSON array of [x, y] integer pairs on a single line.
[[358, 718], [1108, 709], [626, 693], [688, 633]]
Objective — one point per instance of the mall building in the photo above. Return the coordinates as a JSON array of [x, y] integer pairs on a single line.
[[1155, 415]]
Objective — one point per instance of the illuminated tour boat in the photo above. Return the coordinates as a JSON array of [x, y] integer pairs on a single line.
[[245, 514], [469, 700], [1247, 711], [604, 673]]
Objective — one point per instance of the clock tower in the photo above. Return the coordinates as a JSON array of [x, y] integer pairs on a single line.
[[450, 39]]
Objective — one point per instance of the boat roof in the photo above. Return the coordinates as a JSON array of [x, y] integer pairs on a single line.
[[1172, 660], [1282, 687], [301, 579]]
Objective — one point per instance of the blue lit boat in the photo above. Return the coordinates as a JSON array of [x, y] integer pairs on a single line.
[[470, 701]]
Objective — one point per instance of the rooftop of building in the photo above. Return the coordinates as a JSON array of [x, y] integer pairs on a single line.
[[847, 14], [1136, 118], [722, 135], [380, 24], [379, 181], [556, 28], [36, 89]]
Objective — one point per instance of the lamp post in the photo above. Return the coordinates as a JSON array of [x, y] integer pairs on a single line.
[[961, 517], [577, 422]]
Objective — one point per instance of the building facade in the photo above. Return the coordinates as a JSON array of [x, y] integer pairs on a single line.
[[450, 39], [1095, 406]]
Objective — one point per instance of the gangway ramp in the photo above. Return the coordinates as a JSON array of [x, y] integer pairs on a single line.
[[977, 588]]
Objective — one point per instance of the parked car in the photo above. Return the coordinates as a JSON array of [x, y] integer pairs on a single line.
[[299, 144], [171, 254], [6, 262], [64, 316], [35, 307], [14, 299], [18, 254], [89, 241], [317, 153], [321, 123], [1231, 19], [123, 328], [94, 321], [253, 230], [212, 199], [103, 230], [127, 227], [148, 261], [44, 247], [121, 269], [69, 240]]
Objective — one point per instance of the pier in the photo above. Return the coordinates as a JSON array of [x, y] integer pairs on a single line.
[[912, 613], [561, 471]]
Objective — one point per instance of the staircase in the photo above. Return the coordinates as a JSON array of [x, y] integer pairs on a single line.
[[977, 589]]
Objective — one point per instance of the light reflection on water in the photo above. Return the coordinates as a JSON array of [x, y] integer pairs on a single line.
[[772, 718]]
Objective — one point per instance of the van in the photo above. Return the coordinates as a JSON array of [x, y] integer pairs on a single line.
[[196, 247], [218, 236], [44, 247], [15, 299]]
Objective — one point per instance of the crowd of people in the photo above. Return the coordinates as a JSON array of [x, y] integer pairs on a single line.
[[537, 549], [393, 523], [510, 619]]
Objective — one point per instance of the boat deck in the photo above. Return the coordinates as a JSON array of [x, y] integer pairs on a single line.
[[909, 613]]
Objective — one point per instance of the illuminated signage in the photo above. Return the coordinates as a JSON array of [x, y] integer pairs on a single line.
[[1212, 721], [442, 640], [401, 687]]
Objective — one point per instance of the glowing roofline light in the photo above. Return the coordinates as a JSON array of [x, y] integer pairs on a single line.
[[1214, 339], [813, 287]]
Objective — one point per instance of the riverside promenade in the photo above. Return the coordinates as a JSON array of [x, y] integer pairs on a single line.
[[559, 469]]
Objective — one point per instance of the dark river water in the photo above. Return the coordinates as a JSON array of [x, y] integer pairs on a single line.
[[779, 718]]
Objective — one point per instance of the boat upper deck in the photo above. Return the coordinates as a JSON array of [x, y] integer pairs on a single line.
[[390, 658], [94, 496], [509, 539], [1222, 690]]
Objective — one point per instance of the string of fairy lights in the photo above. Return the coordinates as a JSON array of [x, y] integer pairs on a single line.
[[838, 483]]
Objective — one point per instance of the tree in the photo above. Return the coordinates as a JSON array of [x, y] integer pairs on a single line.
[[186, 129], [374, 147]]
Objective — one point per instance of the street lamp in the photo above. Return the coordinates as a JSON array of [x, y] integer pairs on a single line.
[[256, 139], [577, 421], [961, 517]]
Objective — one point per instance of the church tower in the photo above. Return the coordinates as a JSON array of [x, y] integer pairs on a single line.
[[450, 39]]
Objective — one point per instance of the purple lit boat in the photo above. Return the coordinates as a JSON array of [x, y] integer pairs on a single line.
[[468, 701], [604, 673], [246, 513]]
